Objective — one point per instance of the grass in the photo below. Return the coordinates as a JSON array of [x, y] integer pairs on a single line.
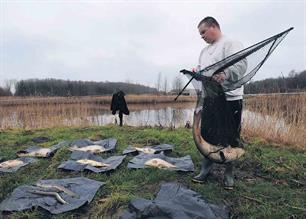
[[270, 180]]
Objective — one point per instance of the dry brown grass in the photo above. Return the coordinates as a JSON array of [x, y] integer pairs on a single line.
[[47, 112], [130, 99], [282, 118]]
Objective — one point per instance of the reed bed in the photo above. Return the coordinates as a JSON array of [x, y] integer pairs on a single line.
[[131, 99], [278, 118], [48, 112]]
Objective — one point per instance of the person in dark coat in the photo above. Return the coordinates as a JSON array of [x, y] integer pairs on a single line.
[[119, 104]]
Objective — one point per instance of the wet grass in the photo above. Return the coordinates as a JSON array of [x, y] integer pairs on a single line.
[[270, 180]]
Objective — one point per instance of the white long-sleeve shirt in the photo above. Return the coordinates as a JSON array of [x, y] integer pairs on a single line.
[[219, 50]]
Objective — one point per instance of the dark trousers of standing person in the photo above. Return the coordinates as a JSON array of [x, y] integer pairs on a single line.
[[235, 108], [220, 125], [121, 117], [221, 121]]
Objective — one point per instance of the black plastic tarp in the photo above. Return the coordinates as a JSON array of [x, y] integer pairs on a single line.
[[156, 148], [73, 165], [182, 163], [35, 151], [21, 198], [25, 161], [109, 144], [174, 201]]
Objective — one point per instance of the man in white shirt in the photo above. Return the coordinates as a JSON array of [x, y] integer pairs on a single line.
[[221, 115]]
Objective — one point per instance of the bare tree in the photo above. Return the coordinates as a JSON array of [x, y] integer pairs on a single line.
[[165, 85], [9, 84], [177, 84], [159, 81]]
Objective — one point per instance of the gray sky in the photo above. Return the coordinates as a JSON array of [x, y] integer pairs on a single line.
[[135, 40]]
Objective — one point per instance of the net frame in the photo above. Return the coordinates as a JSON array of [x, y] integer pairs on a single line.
[[229, 61]]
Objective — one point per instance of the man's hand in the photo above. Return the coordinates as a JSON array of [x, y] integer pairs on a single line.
[[220, 77], [194, 70]]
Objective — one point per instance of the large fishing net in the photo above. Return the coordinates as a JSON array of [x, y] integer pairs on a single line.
[[252, 57], [219, 138]]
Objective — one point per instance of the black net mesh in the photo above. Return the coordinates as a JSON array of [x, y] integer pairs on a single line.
[[220, 123], [251, 58]]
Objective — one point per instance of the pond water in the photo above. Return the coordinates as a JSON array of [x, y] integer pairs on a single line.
[[166, 115], [174, 115]]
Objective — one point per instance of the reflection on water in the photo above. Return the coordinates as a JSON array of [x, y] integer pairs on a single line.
[[165, 115], [177, 116], [257, 120], [151, 115]]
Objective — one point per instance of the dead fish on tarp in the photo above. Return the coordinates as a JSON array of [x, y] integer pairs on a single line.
[[145, 150], [80, 160], [36, 151], [89, 148], [93, 163], [11, 163], [41, 152], [23, 197], [159, 163], [49, 191], [59, 188], [153, 149], [55, 194]]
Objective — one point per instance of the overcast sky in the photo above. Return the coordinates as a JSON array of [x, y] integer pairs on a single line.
[[135, 40]]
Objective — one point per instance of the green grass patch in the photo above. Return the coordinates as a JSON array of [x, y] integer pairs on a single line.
[[270, 181]]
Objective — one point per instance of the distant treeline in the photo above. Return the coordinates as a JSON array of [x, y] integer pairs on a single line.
[[5, 92], [295, 82], [55, 87]]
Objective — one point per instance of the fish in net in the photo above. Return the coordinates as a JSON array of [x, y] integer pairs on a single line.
[[251, 59]]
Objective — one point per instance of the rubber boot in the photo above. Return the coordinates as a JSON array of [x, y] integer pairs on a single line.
[[206, 166], [229, 176]]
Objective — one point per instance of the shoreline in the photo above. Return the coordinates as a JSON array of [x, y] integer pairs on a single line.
[[130, 99]]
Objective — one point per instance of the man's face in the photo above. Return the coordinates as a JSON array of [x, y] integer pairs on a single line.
[[208, 34]]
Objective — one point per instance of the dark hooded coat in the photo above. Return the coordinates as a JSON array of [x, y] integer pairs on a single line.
[[119, 103]]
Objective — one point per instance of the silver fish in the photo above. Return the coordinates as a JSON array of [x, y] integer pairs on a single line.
[[89, 148], [93, 163], [57, 187], [11, 163], [159, 163], [145, 150], [55, 194], [42, 152]]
